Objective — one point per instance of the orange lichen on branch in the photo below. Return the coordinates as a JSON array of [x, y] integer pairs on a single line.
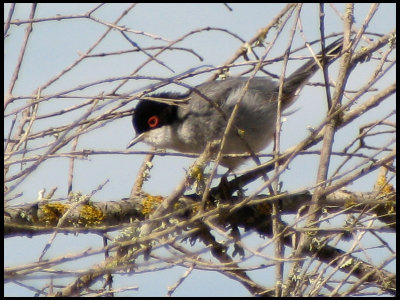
[[85, 215], [150, 203], [90, 215], [383, 186], [50, 213]]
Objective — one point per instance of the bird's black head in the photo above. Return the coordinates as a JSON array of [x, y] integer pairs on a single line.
[[150, 114]]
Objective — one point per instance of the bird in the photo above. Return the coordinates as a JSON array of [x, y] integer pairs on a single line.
[[206, 109]]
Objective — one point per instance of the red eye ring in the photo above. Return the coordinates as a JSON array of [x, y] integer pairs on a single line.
[[153, 121]]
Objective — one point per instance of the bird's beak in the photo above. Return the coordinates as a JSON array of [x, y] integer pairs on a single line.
[[136, 140]]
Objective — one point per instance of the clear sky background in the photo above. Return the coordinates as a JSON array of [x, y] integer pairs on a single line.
[[55, 45]]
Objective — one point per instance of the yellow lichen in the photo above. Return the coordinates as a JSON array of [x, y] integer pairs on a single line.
[[90, 215], [150, 203], [384, 186], [52, 212]]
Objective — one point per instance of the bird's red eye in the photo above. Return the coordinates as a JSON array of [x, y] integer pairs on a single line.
[[153, 121]]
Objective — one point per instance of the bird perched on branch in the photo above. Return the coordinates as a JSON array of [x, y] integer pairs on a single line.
[[189, 127]]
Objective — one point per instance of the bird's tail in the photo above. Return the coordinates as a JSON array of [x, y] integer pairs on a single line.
[[301, 76]]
